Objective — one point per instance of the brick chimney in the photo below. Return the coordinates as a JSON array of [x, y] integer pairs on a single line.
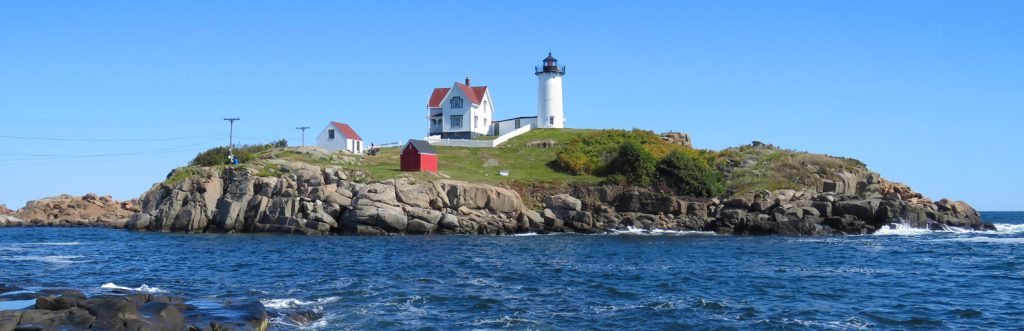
[[467, 80]]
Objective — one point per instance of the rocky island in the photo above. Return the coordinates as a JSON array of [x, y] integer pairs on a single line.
[[765, 190]]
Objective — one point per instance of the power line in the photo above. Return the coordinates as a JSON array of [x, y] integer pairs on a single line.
[[106, 140], [82, 156], [231, 133], [50, 122], [303, 128]]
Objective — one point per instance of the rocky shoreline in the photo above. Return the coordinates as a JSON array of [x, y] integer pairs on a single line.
[[309, 199], [65, 309]]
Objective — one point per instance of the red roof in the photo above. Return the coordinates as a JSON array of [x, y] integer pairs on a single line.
[[346, 131], [475, 94], [437, 97]]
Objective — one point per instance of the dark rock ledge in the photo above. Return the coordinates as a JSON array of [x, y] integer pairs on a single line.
[[62, 309]]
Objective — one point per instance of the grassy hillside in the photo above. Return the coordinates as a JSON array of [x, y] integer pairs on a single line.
[[745, 169], [482, 164], [756, 167]]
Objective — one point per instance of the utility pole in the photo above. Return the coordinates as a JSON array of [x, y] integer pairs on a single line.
[[231, 134], [303, 128]]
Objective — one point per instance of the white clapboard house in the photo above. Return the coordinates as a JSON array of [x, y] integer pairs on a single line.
[[460, 112], [340, 137]]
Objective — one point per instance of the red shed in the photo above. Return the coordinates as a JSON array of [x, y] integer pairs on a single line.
[[418, 155]]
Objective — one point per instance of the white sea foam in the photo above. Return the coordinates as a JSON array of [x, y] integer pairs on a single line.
[[530, 234], [899, 229], [630, 230], [141, 288], [55, 259], [318, 324], [289, 303], [284, 303], [1009, 228], [907, 230]]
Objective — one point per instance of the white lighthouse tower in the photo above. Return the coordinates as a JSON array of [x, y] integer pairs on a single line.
[[549, 94]]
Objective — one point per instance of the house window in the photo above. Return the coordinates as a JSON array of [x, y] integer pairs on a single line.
[[330, 134], [456, 102], [518, 124], [456, 121], [485, 106], [476, 121]]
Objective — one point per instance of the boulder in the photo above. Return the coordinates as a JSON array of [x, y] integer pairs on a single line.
[[416, 226], [862, 209], [9, 319], [72, 318], [563, 201]]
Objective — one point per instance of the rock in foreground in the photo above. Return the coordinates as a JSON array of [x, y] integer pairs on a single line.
[[72, 310]]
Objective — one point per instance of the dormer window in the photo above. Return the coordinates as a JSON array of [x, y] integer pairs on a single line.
[[456, 102]]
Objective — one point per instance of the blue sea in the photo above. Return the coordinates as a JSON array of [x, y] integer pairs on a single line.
[[899, 279]]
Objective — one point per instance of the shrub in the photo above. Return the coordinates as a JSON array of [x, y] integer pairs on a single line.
[[594, 153], [634, 163], [245, 153], [688, 173]]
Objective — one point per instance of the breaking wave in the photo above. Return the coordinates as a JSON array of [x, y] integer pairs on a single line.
[[630, 230], [290, 303], [141, 288]]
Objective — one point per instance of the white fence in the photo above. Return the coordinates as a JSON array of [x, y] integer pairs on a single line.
[[437, 141]]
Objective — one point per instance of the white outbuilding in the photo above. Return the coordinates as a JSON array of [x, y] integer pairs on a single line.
[[340, 136]]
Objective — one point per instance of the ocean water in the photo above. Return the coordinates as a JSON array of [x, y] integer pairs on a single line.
[[900, 278]]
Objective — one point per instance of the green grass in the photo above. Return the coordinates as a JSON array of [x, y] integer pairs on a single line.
[[749, 168], [527, 164]]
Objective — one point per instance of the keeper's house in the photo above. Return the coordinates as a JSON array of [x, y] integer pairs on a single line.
[[460, 112]]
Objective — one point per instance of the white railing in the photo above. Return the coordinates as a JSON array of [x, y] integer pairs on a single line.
[[515, 133], [437, 141]]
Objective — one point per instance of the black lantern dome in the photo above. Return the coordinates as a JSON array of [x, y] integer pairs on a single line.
[[550, 65]]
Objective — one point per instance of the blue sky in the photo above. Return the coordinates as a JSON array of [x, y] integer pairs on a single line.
[[929, 93]]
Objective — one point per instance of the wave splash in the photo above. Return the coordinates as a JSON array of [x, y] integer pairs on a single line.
[[902, 229], [631, 230], [290, 303], [142, 288]]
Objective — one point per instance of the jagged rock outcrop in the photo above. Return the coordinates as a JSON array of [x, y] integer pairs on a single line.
[[7, 220], [302, 198], [313, 201], [67, 210], [58, 309]]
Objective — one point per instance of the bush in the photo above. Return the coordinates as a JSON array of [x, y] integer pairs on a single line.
[[593, 154], [245, 153], [635, 163], [688, 173]]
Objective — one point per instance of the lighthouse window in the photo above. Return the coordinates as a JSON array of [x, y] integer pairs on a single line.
[[456, 121], [551, 120], [456, 102]]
